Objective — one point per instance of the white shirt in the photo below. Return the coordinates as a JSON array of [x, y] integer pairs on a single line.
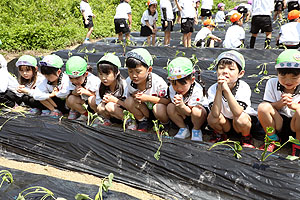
[[85, 6], [92, 84], [202, 34], [43, 90], [220, 16], [40, 78], [124, 95], [156, 86], [233, 37], [262, 7], [8, 82], [273, 94], [175, 8], [151, 19], [169, 10], [122, 11], [188, 9], [207, 4], [242, 95], [290, 33], [231, 12], [195, 98]]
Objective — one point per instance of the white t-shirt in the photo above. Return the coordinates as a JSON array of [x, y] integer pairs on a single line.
[[43, 89], [273, 93], [262, 7], [220, 16], [242, 94], [122, 11], [202, 34], [92, 84], [194, 98], [169, 10], [231, 12], [40, 78], [8, 82], [150, 18], [207, 4], [155, 86], [290, 33], [124, 95], [175, 8], [233, 37], [85, 6], [188, 9]]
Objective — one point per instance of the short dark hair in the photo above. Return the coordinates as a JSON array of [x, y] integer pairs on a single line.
[[182, 81], [227, 61], [284, 71], [133, 62], [45, 70]]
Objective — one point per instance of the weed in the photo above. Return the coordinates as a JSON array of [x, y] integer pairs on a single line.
[[157, 127], [236, 147], [6, 177], [36, 190], [6, 110], [127, 115]]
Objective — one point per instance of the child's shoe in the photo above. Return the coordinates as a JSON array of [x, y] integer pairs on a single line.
[[131, 124], [270, 148], [82, 118], [143, 126], [196, 135], [107, 122], [73, 115], [295, 150], [55, 113], [246, 141], [35, 111], [183, 133], [216, 137], [45, 112]]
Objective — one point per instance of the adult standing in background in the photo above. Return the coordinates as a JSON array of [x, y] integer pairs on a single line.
[[261, 20], [293, 5], [167, 17], [87, 15]]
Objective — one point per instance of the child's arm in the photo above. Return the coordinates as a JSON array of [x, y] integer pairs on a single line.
[[183, 108], [214, 37], [148, 24], [178, 6], [129, 20], [217, 103], [110, 98], [139, 96], [86, 21]]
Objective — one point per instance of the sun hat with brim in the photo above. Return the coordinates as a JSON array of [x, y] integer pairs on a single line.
[[76, 66], [52, 61], [235, 17], [151, 2], [209, 22], [26, 60], [142, 55], [294, 14], [233, 55], [110, 58], [179, 68], [220, 5], [288, 59]]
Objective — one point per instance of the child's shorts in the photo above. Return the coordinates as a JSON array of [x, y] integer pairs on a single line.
[[279, 6], [61, 105], [146, 31], [205, 13], [177, 13], [121, 26], [187, 25], [9, 98], [169, 26], [293, 5], [286, 130], [90, 24], [261, 22]]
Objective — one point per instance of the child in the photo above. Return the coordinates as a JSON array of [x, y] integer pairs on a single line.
[[53, 91], [166, 20], [109, 99], [235, 35], [289, 34], [123, 13], [84, 86], [29, 78], [188, 18], [280, 5], [176, 13], [8, 86], [281, 109], [187, 98], [197, 5], [206, 9], [87, 16], [146, 90], [220, 15], [229, 100], [293, 5], [149, 18], [204, 37]]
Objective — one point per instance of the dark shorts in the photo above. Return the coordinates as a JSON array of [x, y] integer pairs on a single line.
[[205, 13], [90, 24], [61, 105], [187, 25], [253, 131], [146, 31], [278, 6], [286, 130], [9, 98], [32, 103], [121, 26], [261, 22], [242, 10], [293, 5], [169, 26]]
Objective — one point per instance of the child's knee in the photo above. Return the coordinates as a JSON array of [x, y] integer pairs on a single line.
[[160, 109], [243, 120], [264, 107], [170, 108], [129, 102], [199, 111], [110, 107]]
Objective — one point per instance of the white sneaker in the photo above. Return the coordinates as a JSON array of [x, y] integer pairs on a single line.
[[183, 133], [82, 118], [196, 135], [86, 42]]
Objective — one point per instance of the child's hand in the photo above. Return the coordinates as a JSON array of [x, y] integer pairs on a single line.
[[222, 83], [110, 98], [54, 92], [86, 22], [286, 99], [178, 100], [81, 90], [22, 89], [140, 97]]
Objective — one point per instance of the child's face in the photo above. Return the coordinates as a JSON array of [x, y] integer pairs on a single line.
[[222, 8], [152, 8], [240, 22], [79, 80], [198, 4], [289, 81], [107, 78], [26, 72], [52, 77], [139, 74], [127, 1], [182, 88], [230, 72]]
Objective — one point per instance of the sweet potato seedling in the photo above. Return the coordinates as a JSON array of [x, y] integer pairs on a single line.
[[236, 147], [5, 110], [126, 116], [36, 190], [6, 177], [159, 130], [91, 117]]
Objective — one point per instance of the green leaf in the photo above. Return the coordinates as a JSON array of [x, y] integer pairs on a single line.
[[82, 197], [293, 140], [238, 147], [277, 144]]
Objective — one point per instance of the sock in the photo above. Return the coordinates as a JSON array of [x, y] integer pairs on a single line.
[[252, 42], [267, 42], [86, 113], [274, 137]]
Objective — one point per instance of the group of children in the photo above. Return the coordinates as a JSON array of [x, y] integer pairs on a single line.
[[226, 106]]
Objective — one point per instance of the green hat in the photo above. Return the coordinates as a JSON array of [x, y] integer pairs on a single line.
[[76, 66], [179, 68], [52, 61], [288, 59], [233, 55], [26, 60], [111, 58], [142, 55]]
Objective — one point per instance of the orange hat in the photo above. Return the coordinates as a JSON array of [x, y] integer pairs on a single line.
[[294, 14], [209, 22], [235, 17]]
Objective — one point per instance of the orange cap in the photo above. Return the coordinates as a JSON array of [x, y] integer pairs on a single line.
[[294, 14], [209, 22], [235, 17]]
